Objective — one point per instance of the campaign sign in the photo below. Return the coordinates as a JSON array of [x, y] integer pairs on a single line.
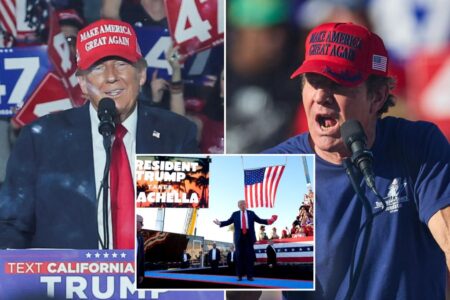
[[196, 25], [50, 96], [21, 69], [163, 181], [79, 274], [64, 61], [154, 42]]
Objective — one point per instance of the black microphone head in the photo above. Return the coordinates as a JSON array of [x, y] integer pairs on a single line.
[[352, 131], [106, 106], [106, 113]]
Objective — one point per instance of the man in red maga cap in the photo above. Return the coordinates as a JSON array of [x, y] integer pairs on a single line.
[[395, 243], [49, 198]]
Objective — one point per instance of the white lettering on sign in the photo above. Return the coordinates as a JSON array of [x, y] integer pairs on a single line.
[[198, 28], [50, 281], [155, 57], [109, 288], [77, 286], [220, 17], [199, 64], [62, 48], [43, 109], [2, 91], [434, 100], [30, 67], [104, 29]]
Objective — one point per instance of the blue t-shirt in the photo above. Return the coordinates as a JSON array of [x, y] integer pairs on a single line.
[[403, 261]]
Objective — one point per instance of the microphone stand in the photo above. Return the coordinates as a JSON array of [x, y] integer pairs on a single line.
[[354, 276], [104, 189]]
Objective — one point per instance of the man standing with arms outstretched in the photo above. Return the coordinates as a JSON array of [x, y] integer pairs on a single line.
[[244, 237]]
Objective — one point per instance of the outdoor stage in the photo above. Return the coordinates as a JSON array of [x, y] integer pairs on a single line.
[[281, 277]]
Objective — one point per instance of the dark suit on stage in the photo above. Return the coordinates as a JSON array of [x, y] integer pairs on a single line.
[[48, 199], [187, 263], [271, 255], [231, 264], [214, 263], [245, 253], [140, 257]]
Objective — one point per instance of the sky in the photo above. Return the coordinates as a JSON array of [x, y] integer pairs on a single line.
[[227, 188]]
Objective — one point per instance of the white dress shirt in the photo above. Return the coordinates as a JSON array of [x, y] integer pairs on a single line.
[[99, 161], [246, 219]]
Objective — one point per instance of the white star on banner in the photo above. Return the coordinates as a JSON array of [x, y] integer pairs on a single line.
[[97, 255], [105, 255], [122, 255], [88, 255], [114, 255]]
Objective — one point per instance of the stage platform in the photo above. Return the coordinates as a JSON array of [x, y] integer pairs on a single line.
[[282, 277]]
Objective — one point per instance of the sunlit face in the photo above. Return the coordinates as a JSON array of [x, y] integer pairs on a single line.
[[241, 205], [116, 79], [328, 105]]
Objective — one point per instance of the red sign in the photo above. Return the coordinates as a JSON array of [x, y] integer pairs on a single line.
[[50, 96], [195, 25], [63, 60], [428, 78]]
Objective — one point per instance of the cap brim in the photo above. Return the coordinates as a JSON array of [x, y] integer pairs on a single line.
[[95, 57], [343, 75]]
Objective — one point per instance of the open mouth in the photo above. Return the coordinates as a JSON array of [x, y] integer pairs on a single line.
[[326, 122], [114, 93]]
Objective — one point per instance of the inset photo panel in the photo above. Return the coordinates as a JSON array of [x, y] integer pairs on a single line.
[[225, 222]]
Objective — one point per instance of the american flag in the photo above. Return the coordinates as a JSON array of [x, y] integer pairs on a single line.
[[291, 250], [379, 63], [261, 186], [7, 21]]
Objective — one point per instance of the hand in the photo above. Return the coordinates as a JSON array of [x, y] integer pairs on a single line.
[[158, 85], [272, 219], [174, 58], [217, 222]]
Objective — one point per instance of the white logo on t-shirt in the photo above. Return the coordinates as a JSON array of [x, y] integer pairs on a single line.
[[395, 196]]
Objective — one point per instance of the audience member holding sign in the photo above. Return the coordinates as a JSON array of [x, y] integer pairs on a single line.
[[49, 198]]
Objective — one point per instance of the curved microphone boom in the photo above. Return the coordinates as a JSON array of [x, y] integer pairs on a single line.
[[355, 139], [106, 113]]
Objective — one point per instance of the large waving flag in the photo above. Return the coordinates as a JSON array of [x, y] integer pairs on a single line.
[[7, 22], [261, 186]]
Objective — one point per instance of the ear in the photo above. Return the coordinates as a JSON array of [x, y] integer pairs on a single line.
[[83, 84], [379, 97], [142, 76]]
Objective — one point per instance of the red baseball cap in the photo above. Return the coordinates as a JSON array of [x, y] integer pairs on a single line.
[[70, 17], [106, 38], [345, 53]]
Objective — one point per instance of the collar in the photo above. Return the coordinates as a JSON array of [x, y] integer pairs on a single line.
[[130, 123]]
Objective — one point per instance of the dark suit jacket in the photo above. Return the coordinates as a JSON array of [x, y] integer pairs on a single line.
[[217, 256], [236, 220], [140, 257], [229, 258], [48, 198], [271, 255]]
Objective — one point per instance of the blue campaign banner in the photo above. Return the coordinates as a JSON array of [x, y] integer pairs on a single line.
[[79, 274], [154, 42], [21, 71]]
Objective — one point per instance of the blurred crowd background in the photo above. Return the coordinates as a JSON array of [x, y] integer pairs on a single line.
[[199, 97], [265, 44]]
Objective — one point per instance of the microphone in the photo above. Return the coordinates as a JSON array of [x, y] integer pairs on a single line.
[[355, 139], [106, 113]]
